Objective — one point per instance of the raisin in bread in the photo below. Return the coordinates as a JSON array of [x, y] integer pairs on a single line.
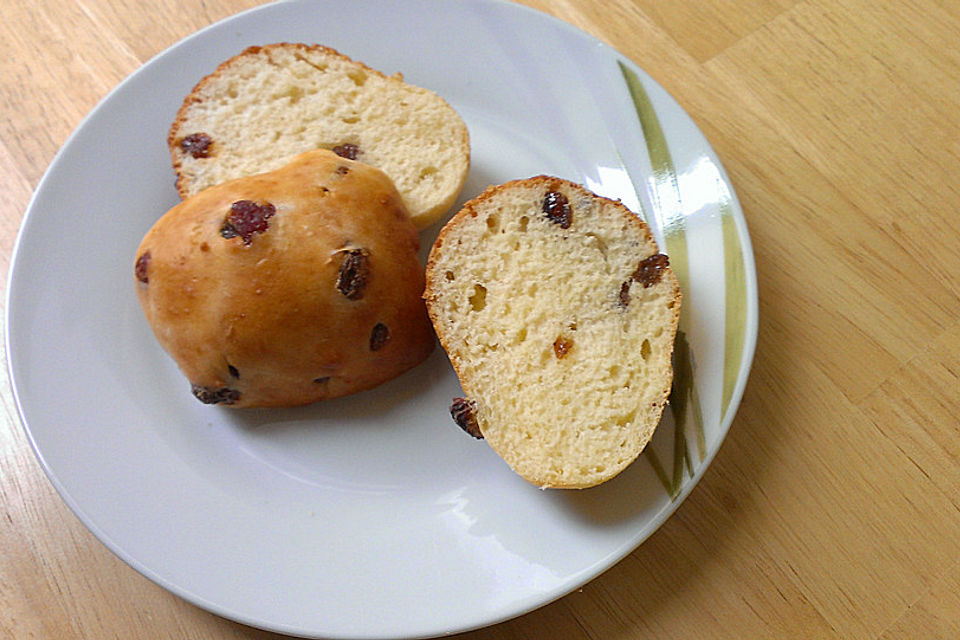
[[260, 108], [558, 313], [287, 287]]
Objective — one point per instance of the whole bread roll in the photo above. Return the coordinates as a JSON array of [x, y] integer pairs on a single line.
[[265, 105], [287, 287], [558, 313]]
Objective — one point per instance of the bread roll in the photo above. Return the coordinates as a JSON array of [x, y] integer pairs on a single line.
[[287, 287], [260, 108], [558, 313]]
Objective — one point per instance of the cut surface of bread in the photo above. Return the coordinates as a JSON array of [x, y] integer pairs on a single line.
[[260, 108], [558, 313]]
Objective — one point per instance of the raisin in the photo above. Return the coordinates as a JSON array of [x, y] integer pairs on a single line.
[[140, 269], [379, 336], [197, 145], [624, 297], [223, 395], [247, 218], [557, 209], [233, 371], [347, 150], [651, 270], [322, 379], [354, 273], [562, 346], [463, 412]]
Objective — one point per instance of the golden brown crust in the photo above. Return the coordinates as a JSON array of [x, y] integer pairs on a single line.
[[270, 319]]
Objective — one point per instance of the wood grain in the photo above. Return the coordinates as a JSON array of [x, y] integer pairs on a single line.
[[833, 508]]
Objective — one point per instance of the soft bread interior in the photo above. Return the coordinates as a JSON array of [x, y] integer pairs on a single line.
[[566, 355], [270, 103]]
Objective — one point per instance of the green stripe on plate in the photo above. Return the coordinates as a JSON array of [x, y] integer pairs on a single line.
[[666, 184], [654, 461], [669, 212], [735, 317]]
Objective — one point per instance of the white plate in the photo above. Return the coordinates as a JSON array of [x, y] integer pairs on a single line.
[[371, 516]]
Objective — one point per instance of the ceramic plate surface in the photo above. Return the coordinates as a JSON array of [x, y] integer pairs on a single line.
[[370, 516]]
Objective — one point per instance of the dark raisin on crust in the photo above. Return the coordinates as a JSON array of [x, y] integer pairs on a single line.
[[322, 379], [197, 145], [223, 395], [379, 336], [557, 209], [651, 270], [562, 346], [354, 273], [233, 371], [463, 412], [247, 218], [140, 268], [347, 150]]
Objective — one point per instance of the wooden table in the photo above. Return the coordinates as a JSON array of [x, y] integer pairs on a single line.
[[833, 508]]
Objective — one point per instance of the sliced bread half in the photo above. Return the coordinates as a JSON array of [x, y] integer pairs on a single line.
[[558, 313], [262, 107]]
